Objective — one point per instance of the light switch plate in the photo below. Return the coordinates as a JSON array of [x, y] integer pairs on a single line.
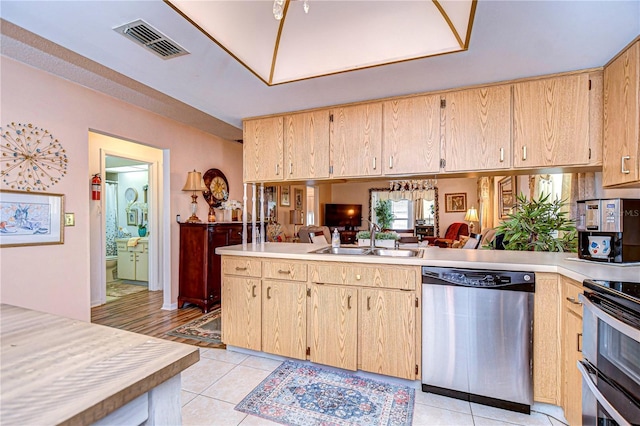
[[69, 219]]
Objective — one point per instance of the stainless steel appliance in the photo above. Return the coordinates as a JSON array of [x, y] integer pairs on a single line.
[[611, 350], [609, 230], [477, 334]]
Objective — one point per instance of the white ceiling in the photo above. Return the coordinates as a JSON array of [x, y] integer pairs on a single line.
[[209, 89]]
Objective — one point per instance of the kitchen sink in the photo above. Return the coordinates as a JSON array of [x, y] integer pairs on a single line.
[[394, 253], [343, 250], [367, 251]]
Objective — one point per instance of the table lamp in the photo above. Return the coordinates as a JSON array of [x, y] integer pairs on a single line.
[[195, 184], [471, 216]]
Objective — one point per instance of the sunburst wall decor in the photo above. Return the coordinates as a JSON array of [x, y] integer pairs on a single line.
[[32, 159]]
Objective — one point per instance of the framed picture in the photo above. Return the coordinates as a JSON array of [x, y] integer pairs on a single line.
[[297, 197], [455, 202], [30, 218], [132, 217], [285, 200], [507, 190]]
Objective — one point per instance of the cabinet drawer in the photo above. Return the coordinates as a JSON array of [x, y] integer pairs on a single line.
[[140, 248], [122, 246], [385, 276], [292, 271], [571, 292], [245, 267]]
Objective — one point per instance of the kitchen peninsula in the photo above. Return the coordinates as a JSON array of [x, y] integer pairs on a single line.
[[363, 312], [57, 370]]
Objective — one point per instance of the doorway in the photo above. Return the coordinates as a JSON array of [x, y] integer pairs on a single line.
[[140, 201]]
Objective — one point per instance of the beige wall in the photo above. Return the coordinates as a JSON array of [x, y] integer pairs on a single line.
[[57, 278]]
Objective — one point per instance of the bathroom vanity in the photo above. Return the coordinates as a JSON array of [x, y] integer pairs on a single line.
[[133, 260]]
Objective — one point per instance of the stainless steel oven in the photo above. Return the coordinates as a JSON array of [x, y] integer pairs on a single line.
[[611, 350]]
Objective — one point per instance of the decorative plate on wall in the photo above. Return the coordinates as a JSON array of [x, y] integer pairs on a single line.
[[32, 159], [131, 195]]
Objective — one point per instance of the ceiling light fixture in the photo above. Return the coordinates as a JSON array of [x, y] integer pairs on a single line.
[[339, 36]]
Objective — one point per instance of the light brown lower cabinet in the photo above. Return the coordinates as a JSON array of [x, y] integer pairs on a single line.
[[284, 318], [333, 325], [241, 312], [546, 339], [572, 351], [387, 327]]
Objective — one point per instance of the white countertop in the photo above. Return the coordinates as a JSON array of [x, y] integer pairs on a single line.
[[566, 264]]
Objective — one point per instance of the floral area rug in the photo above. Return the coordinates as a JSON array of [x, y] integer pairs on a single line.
[[299, 394], [206, 328]]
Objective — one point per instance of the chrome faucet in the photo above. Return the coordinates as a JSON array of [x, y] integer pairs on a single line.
[[373, 228]]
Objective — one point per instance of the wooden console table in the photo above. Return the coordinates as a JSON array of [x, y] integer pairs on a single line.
[[57, 370]]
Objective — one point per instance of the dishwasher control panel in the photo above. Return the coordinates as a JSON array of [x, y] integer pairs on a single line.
[[504, 280]]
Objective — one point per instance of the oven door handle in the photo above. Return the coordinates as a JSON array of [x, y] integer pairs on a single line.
[[624, 328], [588, 380]]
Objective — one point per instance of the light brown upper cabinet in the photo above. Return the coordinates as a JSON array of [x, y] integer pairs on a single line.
[[307, 145], [551, 122], [411, 135], [263, 149], [477, 133], [356, 140], [621, 150]]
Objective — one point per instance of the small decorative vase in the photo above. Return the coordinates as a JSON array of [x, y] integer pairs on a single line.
[[142, 232], [212, 215]]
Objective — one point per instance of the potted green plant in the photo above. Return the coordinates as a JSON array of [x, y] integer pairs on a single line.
[[383, 239], [142, 229], [384, 214], [538, 225]]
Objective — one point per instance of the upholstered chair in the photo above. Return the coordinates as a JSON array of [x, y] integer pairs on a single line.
[[454, 232]]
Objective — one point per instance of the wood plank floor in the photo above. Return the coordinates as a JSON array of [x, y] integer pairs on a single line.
[[140, 313]]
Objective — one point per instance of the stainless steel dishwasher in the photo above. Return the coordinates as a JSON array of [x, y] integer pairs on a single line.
[[477, 336]]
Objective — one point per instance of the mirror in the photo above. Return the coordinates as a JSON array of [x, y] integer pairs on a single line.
[[507, 190], [410, 209]]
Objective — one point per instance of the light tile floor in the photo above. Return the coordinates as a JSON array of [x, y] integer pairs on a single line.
[[213, 386]]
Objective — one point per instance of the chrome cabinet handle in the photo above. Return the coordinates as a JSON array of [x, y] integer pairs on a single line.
[[391, 162], [348, 302], [277, 169], [524, 153], [574, 301], [290, 168], [282, 271], [238, 268], [502, 155], [253, 291], [368, 303], [268, 292], [374, 163], [623, 170]]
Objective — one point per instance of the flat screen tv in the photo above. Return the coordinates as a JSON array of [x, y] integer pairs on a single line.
[[347, 215]]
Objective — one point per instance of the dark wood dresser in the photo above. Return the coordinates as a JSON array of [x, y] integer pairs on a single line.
[[200, 266]]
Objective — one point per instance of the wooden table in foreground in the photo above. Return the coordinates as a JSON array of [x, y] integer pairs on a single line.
[[56, 370]]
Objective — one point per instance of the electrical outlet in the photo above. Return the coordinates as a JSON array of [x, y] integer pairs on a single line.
[[69, 219]]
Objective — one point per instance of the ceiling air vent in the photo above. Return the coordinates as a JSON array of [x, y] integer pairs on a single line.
[[144, 34]]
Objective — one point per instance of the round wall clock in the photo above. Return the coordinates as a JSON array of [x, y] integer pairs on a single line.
[[218, 186], [31, 159]]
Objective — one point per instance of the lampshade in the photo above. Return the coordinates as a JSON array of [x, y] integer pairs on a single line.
[[194, 182], [472, 215]]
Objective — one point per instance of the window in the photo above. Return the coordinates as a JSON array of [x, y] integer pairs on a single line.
[[402, 214]]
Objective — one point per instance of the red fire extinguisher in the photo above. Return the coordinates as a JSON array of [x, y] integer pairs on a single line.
[[96, 187]]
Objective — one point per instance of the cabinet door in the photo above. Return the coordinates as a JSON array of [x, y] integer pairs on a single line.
[[284, 318], [142, 265], [546, 339], [126, 265], [333, 322], [387, 332], [411, 135], [551, 122], [356, 140], [307, 145], [262, 149], [241, 312], [571, 351], [622, 119], [478, 129]]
